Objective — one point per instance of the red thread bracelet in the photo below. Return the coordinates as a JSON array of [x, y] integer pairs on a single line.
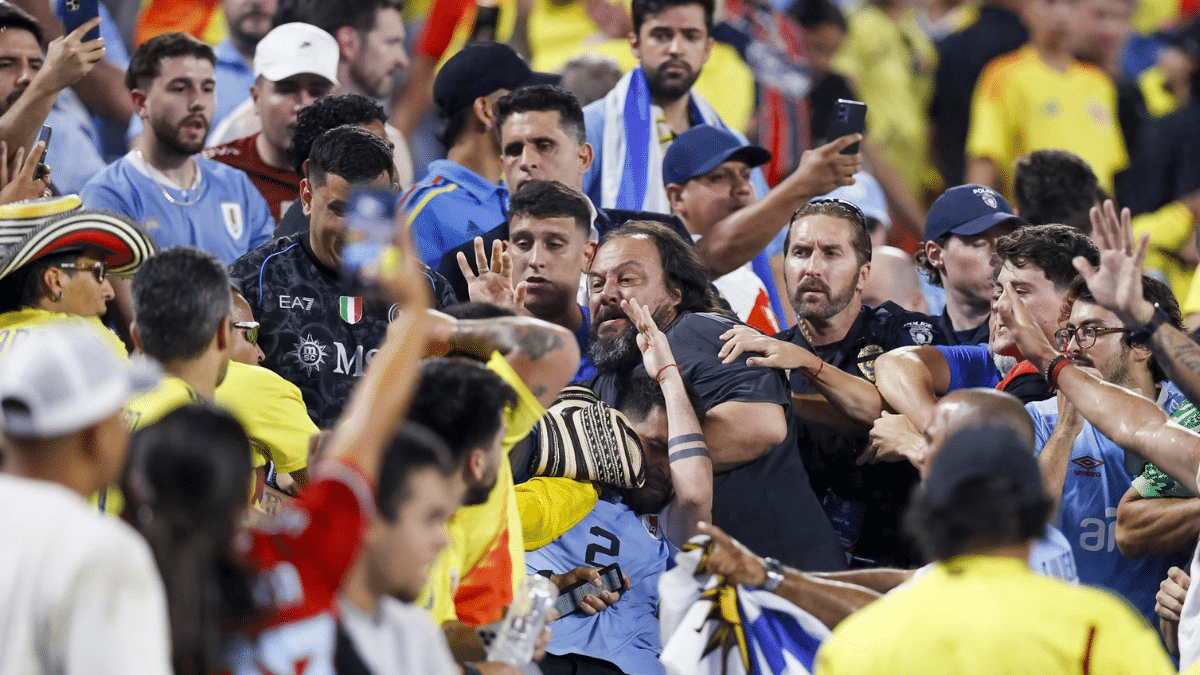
[[819, 369], [1057, 369], [657, 377]]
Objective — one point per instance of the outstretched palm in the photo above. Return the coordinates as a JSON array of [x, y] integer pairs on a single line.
[[493, 284], [1117, 283]]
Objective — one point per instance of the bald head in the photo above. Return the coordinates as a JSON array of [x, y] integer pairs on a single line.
[[893, 277], [971, 407]]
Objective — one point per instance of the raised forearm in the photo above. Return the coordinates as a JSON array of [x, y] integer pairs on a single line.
[[103, 92], [828, 600], [20, 124], [687, 452], [1156, 526], [1056, 453], [880, 580], [736, 239], [853, 396], [1179, 356], [910, 379]]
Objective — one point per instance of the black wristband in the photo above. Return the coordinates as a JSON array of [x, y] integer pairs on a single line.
[[1141, 335], [1052, 366], [470, 669]]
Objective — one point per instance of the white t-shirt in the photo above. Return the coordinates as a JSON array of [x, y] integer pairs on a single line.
[[79, 592], [1050, 556], [398, 638], [1189, 617]]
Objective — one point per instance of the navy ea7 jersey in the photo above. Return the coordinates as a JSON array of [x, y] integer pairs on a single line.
[[312, 335]]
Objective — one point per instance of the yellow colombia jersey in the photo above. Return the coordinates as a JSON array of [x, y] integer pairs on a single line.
[[1021, 104], [269, 407], [18, 324], [476, 575], [985, 615], [551, 506]]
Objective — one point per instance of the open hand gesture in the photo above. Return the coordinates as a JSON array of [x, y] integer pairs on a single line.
[[1117, 284], [493, 284]]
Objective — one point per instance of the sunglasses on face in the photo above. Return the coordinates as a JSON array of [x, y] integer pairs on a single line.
[[98, 268], [251, 328]]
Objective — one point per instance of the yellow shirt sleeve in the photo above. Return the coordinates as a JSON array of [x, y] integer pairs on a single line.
[[992, 132], [273, 412], [521, 417], [551, 506]]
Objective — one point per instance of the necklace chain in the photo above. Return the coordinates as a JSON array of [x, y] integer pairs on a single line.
[[163, 190]]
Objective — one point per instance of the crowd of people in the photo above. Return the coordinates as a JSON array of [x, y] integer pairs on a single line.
[[621, 243]]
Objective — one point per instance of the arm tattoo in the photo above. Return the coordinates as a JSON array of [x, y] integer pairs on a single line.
[[537, 343], [687, 453], [1180, 351], [685, 438]]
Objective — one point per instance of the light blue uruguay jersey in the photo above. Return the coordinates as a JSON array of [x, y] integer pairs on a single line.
[[626, 633], [225, 215], [1087, 513]]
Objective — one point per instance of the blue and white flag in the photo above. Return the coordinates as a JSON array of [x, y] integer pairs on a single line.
[[710, 627]]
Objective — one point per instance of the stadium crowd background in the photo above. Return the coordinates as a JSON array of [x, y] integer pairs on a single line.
[[923, 393]]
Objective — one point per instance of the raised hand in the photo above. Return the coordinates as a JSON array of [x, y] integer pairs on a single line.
[[22, 185], [825, 168], [1031, 342], [493, 283], [69, 58], [1117, 284], [894, 438], [656, 350]]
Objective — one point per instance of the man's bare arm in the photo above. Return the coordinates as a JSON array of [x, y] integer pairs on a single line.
[[740, 236], [739, 432], [981, 170], [1156, 526], [910, 380]]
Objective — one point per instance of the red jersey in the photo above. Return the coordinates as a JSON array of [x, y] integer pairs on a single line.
[[280, 187], [301, 557]]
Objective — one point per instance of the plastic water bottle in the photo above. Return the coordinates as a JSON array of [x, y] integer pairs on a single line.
[[524, 622]]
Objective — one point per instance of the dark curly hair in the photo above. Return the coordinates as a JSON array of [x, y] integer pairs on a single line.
[[1050, 248], [683, 270], [1153, 290], [325, 114]]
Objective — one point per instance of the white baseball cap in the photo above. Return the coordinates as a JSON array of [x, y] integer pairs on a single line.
[[295, 48], [66, 377]]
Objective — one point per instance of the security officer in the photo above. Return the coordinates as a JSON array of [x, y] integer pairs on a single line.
[[827, 261]]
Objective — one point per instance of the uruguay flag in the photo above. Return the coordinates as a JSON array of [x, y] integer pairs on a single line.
[[710, 627]]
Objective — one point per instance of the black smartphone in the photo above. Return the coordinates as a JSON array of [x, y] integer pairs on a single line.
[[75, 13], [849, 117], [569, 598], [369, 226], [43, 135]]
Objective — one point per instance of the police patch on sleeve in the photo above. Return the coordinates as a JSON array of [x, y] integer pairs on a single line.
[[920, 332]]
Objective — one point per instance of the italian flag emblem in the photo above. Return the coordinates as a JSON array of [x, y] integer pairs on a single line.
[[350, 308]]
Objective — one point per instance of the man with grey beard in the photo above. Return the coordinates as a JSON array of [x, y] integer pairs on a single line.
[[761, 490], [827, 261]]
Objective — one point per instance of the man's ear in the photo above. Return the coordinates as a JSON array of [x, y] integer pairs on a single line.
[[484, 112], [306, 192], [933, 253], [586, 155], [349, 42], [52, 281], [864, 273], [477, 465], [675, 198], [139, 102], [589, 252], [224, 341], [254, 92], [1141, 353]]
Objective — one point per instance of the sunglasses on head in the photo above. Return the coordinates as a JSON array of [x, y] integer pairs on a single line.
[[849, 206]]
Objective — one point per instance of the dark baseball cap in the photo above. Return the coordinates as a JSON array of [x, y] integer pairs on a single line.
[[966, 210], [479, 69], [980, 451], [702, 148]]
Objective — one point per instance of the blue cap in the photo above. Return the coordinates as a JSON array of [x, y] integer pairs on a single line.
[[703, 148], [966, 210]]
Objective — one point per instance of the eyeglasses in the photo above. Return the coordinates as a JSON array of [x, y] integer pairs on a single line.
[[98, 268], [251, 328], [1085, 336]]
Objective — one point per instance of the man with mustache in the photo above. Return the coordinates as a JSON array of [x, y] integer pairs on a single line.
[[827, 260], [1120, 541], [181, 199], [295, 65], [761, 492]]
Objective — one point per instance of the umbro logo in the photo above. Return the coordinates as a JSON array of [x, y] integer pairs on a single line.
[[1087, 466], [305, 45]]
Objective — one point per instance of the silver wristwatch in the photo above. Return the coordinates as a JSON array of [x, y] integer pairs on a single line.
[[774, 570]]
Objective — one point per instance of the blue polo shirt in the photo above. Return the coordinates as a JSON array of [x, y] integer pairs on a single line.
[[451, 206], [224, 215]]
